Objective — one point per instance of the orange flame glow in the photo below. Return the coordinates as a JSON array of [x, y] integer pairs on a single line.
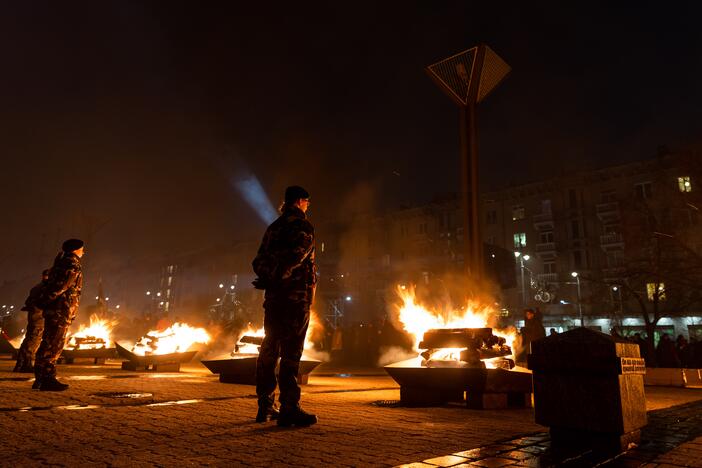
[[178, 338], [416, 319], [93, 336]]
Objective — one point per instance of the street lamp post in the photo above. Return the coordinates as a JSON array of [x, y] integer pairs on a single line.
[[618, 290], [522, 258], [580, 304]]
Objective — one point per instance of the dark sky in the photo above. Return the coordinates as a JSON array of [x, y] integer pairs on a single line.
[[128, 120]]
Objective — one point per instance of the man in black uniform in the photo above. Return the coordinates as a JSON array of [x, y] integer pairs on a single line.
[[286, 270], [59, 299], [35, 328]]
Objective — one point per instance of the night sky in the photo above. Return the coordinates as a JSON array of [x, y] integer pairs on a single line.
[[126, 122]]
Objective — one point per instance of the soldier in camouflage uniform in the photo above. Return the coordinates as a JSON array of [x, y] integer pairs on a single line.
[[35, 328], [59, 298], [286, 270]]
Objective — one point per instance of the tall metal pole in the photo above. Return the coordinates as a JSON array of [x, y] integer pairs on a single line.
[[580, 305], [521, 265], [472, 242]]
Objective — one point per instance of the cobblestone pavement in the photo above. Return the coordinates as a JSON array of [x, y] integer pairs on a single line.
[[191, 419], [671, 439]]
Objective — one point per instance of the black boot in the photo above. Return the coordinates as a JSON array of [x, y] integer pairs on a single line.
[[37, 383], [266, 410], [50, 384], [296, 416]]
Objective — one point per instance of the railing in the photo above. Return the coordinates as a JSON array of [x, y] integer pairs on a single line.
[[611, 238], [546, 247], [548, 277]]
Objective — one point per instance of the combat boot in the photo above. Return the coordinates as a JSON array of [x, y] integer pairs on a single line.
[[24, 369], [50, 384], [296, 416], [266, 410]]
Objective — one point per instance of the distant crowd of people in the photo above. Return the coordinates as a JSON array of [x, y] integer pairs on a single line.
[[668, 353]]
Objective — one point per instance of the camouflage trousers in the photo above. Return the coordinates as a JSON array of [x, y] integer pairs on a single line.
[[32, 339], [286, 327], [52, 343]]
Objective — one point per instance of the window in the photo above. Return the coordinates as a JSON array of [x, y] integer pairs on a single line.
[[546, 237], [517, 212], [545, 206], [491, 217], [684, 184], [651, 291], [519, 240], [549, 267], [572, 198], [423, 228], [577, 259], [643, 190], [608, 196], [575, 229]]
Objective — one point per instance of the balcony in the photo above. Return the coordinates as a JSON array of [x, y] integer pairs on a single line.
[[613, 274], [543, 221], [546, 248], [611, 241], [548, 277], [608, 212]]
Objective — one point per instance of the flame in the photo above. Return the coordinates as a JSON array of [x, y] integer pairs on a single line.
[[97, 334], [417, 319], [178, 338]]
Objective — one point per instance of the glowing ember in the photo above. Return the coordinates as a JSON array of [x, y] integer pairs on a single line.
[[94, 336], [417, 320], [177, 338]]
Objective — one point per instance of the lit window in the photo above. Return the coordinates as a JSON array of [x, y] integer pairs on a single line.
[[518, 212], [684, 184], [651, 291], [519, 240]]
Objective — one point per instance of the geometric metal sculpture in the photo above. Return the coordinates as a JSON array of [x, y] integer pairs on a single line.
[[467, 78]]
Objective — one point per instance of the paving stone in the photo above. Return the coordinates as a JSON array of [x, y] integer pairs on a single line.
[[448, 460], [493, 462]]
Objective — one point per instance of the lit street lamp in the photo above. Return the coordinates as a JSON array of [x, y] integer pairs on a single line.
[[580, 305], [618, 291], [522, 259]]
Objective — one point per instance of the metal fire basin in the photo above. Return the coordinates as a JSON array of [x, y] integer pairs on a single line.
[[98, 355], [7, 348], [483, 388], [154, 362], [242, 369]]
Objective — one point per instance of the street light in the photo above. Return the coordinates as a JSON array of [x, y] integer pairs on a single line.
[[618, 291], [522, 259], [580, 305]]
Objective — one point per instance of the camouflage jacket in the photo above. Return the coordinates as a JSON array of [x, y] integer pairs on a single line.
[[285, 260], [31, 304], [61, 292]]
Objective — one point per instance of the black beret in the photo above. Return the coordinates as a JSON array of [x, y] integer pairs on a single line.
[[294, 193], [72, 245]]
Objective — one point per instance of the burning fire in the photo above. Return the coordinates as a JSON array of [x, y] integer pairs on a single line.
[[178, 338], [417, 320], [94, 336]]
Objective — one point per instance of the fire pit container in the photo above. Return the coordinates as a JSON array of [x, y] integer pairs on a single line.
[[6, 347], [242, 369], [588, 388], [154, 362], [98, 355]]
